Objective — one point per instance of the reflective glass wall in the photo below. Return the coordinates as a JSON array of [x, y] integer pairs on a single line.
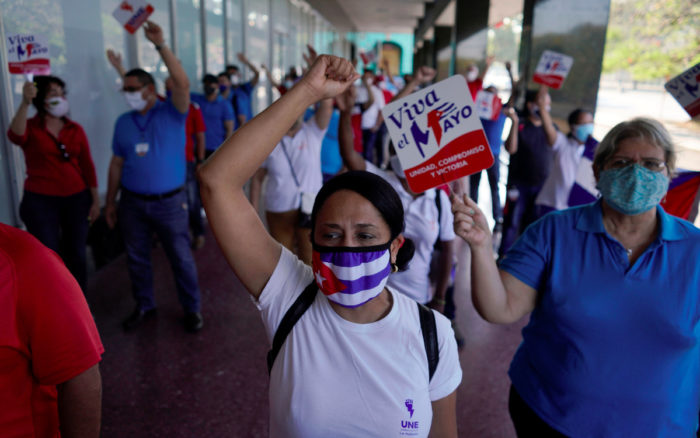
[[207, 35]]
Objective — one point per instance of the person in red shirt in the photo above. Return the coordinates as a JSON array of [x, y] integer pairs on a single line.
[[60, 193], [50, 349], [475, 81]]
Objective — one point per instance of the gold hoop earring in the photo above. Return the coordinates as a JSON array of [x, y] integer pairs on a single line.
[[394, 268]]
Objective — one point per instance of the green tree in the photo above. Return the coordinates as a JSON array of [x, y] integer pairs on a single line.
[[652, 39]]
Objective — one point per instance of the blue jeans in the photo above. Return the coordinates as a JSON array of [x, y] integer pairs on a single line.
[[60, 223], [493, 174], [194, 203], [168, 217], [520, 212]]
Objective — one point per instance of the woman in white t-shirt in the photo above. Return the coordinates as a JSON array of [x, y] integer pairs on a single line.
[[293, 171], [355, 363], [426, 226], [568, 150]]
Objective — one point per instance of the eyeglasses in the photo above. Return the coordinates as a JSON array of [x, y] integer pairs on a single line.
[[648, 163]]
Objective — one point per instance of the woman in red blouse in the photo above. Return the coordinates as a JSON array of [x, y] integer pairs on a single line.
[[60, 193]]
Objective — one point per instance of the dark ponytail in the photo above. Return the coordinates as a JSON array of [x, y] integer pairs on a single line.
[[405, 254], [382, 196]]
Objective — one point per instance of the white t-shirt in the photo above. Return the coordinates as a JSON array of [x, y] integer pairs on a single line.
[[369, 116], [421, 218], [335, 378], [556, 188], [304, 150]]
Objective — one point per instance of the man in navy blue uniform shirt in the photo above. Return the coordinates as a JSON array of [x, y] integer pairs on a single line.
[[217, 113], [148, 165]]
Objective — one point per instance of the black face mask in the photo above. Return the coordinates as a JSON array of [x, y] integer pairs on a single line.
[[211, 89]]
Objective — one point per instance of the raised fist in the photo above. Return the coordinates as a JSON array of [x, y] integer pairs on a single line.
[[329, 76]]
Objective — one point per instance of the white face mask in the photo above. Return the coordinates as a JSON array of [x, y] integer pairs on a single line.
[[57, 106], [135, 100], [235, 80], [472, 75]]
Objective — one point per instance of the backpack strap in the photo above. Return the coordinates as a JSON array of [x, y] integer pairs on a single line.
[[295, 311], [429, 329]]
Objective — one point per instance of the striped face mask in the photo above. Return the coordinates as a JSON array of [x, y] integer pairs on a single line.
[[351, 276]]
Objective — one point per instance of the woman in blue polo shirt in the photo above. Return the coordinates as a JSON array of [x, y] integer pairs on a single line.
[[613, 344]]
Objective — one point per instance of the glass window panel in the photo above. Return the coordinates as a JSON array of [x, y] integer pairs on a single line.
[[235, 29], [257, 46], [215, 36], [189, 40], [79, 33]]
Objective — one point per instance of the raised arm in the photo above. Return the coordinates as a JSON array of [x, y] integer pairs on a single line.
[[115, 60], [423, 76], [370, 96], [512, 140], [387, 72], [269, 76], [18, 126], [542, 102], [513, 86], [351, 159], [181, 84], [489, 61], [323, 113], [250, 251], [256, 72], [498, 296]]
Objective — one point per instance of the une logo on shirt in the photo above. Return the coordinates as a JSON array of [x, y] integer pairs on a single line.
[[409, 425]]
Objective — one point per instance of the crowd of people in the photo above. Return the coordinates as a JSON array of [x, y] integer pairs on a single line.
[[352, 271]]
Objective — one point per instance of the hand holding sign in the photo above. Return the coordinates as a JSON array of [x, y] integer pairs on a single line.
[[28, 54], [154, 33], [552, 69], [470, 223], [437, 134], [329, 76], [132, 14], [28, 92]]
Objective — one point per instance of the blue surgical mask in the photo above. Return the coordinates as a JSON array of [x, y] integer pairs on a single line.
[[632, 190], [223, 88], [582, 132]]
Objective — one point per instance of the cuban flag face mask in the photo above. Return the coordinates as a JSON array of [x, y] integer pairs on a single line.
[[351, 276]]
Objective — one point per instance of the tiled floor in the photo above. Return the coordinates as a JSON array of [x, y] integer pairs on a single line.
[[160, 381]]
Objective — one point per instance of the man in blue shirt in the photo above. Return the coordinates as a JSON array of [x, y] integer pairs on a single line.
[[148, 165], [217, 113], [242, 92]]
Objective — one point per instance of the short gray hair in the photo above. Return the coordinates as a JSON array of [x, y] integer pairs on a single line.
[[641, 127]]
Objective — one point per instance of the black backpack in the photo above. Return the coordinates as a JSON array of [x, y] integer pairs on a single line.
[[303, 302]]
